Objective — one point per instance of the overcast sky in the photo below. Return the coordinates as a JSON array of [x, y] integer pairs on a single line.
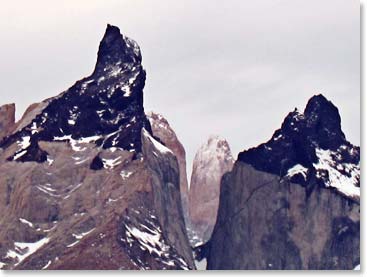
[[233, 68]]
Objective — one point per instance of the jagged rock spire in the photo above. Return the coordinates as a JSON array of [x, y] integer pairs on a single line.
[[116, 49]]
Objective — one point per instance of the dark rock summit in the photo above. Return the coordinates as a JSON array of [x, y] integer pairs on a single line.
[[310, 147], [115, 49], [293, 202], [106, 107]]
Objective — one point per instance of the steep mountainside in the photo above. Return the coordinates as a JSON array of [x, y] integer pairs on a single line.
[[87, 186], [293, 202], [163, 131], [212, 160]]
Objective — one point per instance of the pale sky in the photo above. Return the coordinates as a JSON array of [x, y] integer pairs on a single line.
[[232, 68]]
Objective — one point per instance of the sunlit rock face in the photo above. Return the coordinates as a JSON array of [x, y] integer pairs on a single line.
[[212, 160]]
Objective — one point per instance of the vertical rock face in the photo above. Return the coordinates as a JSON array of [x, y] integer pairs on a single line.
[[163, 131], [212, 160], [85, 180], [293, 202], [7, 119]]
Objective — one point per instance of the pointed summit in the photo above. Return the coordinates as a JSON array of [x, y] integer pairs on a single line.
[[324, 120], [116, 50], [105, 107]]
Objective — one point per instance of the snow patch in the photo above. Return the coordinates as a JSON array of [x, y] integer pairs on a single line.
[[34, 128], [150, 240], [82, 235], [160, 147], [47, 265], [24, 144], [24, 221], [71, 122], [75, 143], [49, 160], [125, 174], [343, 183], [297, 169], [25, 249], [111, 163]]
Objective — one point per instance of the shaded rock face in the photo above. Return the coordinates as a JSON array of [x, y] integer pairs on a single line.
[[7, 119], [163, 131], [212, 160], [271, 221], [85, 179]]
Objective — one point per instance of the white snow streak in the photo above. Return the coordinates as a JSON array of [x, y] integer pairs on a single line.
[[160, 147], [24, 221], [25, 249], [297, 169]]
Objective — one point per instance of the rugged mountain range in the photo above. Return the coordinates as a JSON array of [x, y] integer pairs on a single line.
[[89, 181], [212, 160], [292, 202], [87, 185]]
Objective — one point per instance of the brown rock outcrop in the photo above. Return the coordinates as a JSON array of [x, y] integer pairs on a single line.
[[7, 120]]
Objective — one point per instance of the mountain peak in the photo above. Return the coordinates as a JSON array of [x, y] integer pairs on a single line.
[[323, 120], [319, 104], [308, 141], [106, 106], [116, 49]]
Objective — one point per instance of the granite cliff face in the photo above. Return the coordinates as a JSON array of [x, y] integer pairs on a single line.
[[212, 160], [293, 202], [163, 131], [87, 185]]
